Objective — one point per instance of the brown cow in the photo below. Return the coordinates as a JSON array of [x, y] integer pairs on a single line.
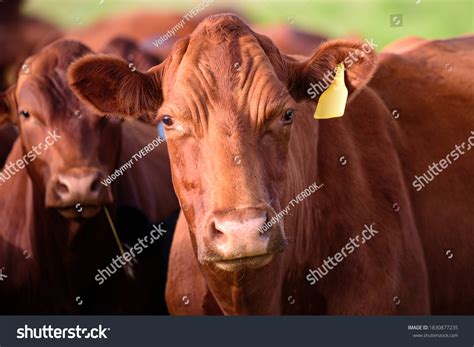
[[244, 145], [54, 234], [291, 40], [129, 50], [137, 26]]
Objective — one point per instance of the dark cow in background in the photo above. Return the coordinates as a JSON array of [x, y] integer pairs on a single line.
[[54, 234], [261, 114], [8, 135], [20, 37], [292, 40], [137, 26], [129, 50]]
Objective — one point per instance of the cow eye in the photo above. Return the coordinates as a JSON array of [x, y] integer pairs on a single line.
[[25, 114], [289, 115], [168, 121]]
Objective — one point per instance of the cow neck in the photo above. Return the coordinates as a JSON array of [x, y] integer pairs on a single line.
[[49, 253], [64, 250], [303, 218], [246, 292]]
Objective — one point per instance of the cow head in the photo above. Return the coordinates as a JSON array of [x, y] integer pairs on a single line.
[[228, 99], [67, 149]]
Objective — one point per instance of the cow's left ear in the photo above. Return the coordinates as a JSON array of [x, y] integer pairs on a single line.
[[310, 78], [8, 106], [111, 86]]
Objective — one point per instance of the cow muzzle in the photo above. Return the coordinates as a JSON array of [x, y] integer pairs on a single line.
[[239, 239], [78, 193]]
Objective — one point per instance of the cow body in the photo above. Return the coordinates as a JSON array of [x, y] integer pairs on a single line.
[[244, 145], [435, 117]]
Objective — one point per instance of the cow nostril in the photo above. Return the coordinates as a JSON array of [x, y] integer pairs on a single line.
[[216, 230], [239, 226], [265, 226], [61, 188], [95, 185]]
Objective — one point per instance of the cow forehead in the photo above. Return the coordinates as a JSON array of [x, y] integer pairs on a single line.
[[231, 74], [48, 94], [45, 87]]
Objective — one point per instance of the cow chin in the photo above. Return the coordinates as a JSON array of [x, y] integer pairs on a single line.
[[79, 211]]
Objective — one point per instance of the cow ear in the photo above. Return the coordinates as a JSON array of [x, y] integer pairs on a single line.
[[8, 106], [310, 78], [111, 86]]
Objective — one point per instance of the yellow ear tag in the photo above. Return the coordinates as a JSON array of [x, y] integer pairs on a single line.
[[333, 101]]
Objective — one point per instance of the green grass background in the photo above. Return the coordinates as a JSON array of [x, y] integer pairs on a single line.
[[365, 18]]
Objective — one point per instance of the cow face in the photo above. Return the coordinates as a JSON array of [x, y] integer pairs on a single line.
[[67, 149], [228, 99]]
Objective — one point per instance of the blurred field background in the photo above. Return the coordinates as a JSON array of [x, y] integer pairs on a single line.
[[364, 18]]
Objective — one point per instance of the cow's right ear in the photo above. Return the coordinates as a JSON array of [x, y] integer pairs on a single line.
[[110, 86], [8, 106], [310, 78]]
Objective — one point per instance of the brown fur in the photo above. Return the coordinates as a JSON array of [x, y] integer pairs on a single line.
[[130, 50], [291, 40], [137, 26]]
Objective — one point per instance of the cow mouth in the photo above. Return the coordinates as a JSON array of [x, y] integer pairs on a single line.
[[248, 262], [79, 211]]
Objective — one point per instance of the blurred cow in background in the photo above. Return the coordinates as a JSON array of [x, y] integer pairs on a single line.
[[20, 37]]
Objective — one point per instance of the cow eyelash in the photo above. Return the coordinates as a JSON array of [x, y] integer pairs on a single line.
[[25, 114], [289, 116]]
